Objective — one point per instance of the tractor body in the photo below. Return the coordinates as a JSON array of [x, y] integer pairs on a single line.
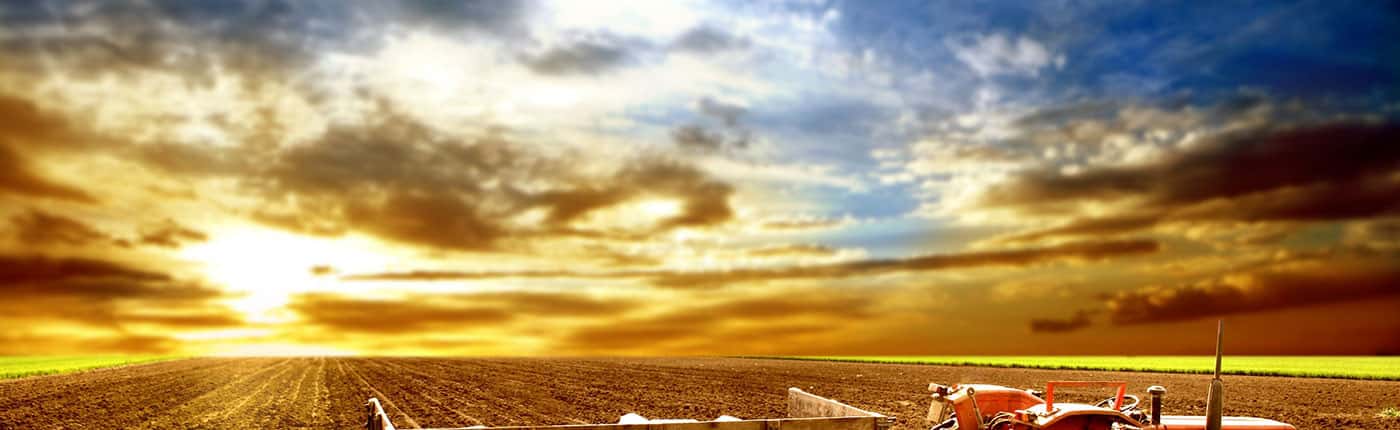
[[993, 407]]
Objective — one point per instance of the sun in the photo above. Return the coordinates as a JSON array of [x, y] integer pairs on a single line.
[[264, 268]]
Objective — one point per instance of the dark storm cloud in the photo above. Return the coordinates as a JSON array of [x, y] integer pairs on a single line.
[[1080, 320], [17, 272], [586, 54], [1087, 251], [1286, 282], [95, 281], [1232, 165], [170, 234], [707, 39], [1328, 172], [104, 293], [39, 228], [1265, 289], [25, 129], [424, 312], [725, 323]]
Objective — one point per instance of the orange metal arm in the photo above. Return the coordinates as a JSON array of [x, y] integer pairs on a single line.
[[1050, 391]]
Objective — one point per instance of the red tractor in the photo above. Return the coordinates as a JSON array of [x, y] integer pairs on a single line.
[[993, 407]]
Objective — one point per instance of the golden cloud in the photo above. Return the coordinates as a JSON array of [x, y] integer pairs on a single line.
[[1088, 251], [417, 313], [726, 325]]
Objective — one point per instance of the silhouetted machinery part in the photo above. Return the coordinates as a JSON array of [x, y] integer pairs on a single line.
[[994, 407]]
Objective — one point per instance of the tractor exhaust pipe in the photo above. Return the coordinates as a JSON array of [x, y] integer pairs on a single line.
[[1156, 391], [1215, 399]]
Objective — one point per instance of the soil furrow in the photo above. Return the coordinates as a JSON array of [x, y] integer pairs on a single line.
[[426, 385], [407, 420], [329, 393], [206, 410]]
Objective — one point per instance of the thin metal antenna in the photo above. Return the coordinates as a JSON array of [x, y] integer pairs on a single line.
[[1219, 336], [1215, 398]]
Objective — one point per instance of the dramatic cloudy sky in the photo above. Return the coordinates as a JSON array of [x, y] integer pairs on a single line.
[[787, 177]]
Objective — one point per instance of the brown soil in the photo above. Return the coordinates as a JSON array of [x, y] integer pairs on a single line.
[[330, 392]]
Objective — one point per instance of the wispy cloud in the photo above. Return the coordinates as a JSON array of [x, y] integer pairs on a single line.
[[656, 177], [999, 54], [1087, 251]]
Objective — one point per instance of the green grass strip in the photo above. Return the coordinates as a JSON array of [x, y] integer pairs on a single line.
[[1344, 367], [23, 366]]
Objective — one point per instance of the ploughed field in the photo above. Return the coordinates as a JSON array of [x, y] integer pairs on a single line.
[[433, 392]]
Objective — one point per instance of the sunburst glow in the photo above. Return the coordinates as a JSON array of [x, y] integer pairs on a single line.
[[810, 177], [265, 268]]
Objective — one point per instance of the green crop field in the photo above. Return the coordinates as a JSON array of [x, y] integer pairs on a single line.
[[1353, 367], [19, 367]]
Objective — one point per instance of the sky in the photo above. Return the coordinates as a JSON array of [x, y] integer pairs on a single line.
[[805, 177]]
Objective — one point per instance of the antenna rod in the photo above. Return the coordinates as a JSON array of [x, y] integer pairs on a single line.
[[1215, 398], [1219, 335]]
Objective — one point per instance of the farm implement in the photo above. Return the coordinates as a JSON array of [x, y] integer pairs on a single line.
[[806, 411], [956, 407], [994, 407]]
